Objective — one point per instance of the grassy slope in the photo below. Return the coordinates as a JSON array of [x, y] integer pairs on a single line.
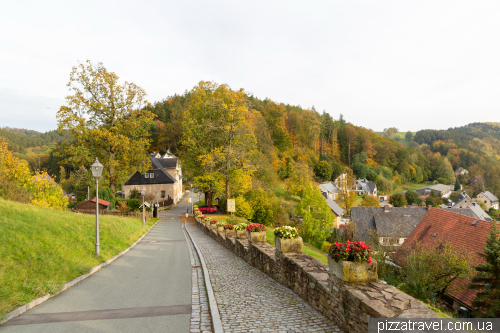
[[41, 248], [399, 137]]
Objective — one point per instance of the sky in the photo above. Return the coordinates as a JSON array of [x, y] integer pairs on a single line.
[[406, 64]]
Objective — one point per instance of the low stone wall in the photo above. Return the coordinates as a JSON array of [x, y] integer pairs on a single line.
[[348, 305]]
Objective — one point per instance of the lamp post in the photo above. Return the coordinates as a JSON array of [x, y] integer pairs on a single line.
[[96, 173], [143, 192]]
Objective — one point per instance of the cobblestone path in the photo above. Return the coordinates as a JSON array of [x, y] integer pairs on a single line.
[[250, 301], [200, 315]]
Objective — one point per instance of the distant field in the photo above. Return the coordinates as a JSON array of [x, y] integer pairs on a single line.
[[399, 137]]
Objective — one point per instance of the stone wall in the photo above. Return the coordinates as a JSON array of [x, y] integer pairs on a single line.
[[348, 305]]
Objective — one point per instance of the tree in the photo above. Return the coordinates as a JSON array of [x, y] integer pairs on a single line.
[[390, 131], [457, 185], [370, 201], [106, 121], [493, 213], [383, 185], [323, 170], [398, 200], [218, 137], [351, 136], [487, 280], [336, 170], [412, 198], [445, 170], [409, 135], [46, 193]]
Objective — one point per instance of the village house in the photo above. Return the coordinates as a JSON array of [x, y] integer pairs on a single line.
[[335, 188], [363, 186], [392, 225], [488, 199], [461, 171], [163, 179], [463, 233], [439, 190], [462, 201], [336, 210], [89, 206]]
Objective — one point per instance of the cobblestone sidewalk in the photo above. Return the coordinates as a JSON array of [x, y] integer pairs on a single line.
[[200, 315], [250, 301]]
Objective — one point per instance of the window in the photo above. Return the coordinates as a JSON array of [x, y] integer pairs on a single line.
[[163, 194], [151, 175], [146, 175]]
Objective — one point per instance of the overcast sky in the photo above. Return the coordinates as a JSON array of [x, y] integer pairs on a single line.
[[412, 65]]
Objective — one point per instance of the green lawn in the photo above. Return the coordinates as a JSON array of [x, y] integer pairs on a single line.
[[307, 249], [413, 187], [399, 137], [41, 249]]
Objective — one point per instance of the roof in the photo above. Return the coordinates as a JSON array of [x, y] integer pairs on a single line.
[[333, 205], [436, 187], [101, 202], [460, 197], [329, 187], [168, 163], [397, 222], [462, 211], [480, 213], [456, 230], [367, 185], [489, 195], [161, 176]]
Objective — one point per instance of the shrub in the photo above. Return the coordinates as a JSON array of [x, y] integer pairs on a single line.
[[134, 204], [256, 227], [241, 226], [236, 220], [398, 200], [123, 207], [286, 232], [351, 251], [243, 208]]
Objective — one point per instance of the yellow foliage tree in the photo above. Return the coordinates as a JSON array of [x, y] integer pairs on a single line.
[[46, 193], [11, 167]]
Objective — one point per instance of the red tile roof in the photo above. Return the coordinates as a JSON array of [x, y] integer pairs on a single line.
[[102, 202], [456, 230]]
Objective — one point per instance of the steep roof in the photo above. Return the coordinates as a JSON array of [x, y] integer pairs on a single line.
[[396, 222], [462, 211], [456, 230], [168, 163], [371, 186], [161, 176], [489, 195], [480, 213], [329, 187], [460, 197], [333, 205]]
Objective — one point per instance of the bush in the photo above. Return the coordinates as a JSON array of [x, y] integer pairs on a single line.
[[370, 201], [412, 198], [134, 204], [243, 208], [398, 200], [286, 232], [442, 180]]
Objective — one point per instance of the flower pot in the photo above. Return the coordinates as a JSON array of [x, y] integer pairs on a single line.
[[353, 272], [213, 226], [257, 237], [229, 233], [220, 230], [241, 234], [286, 245]]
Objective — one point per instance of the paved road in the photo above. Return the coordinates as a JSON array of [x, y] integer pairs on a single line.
[[146, 290], [250, 301]]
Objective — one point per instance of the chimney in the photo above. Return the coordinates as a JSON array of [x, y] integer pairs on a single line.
[[386, 208]]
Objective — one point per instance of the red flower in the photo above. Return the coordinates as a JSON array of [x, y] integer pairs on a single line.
[[370, 261]]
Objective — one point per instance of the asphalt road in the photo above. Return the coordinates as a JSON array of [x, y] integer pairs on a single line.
[[148, 289]]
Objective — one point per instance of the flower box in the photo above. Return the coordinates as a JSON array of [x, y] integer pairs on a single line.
[[257, 237], [220, 229], [288, 245], [353, 272], [213, 226], [241, 234], [229, 233]]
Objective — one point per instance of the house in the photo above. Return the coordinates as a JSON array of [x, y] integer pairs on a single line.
[[439, 190], [162, 180], [461, 171], [331, 190], [461, 201], [363, 186], [489, 199], [336, 210], [462, 232], [392, 225], [88, 207], [72, 197]]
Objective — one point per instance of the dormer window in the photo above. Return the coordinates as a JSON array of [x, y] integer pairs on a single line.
[[151, 175], [146, 175]]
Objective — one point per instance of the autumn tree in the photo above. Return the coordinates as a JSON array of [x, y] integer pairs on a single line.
[[323, 170], [398, 200], [217, 137], [106, 121], [370, 201], [351, 136]]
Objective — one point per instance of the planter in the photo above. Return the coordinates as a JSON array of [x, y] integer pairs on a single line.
[[257, 237], [220, 230], [213, 226], [229, 233], [353, 272], [241, 234], [286, 245]]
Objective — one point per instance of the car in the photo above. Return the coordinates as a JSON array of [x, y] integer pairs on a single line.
[[207, 209]]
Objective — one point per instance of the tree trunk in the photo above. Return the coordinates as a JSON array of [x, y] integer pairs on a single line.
[[209, 197]]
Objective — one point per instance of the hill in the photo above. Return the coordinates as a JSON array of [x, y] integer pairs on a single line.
[[399, 137], [41, 249]]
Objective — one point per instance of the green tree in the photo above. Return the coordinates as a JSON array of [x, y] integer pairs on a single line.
[[445, 170], [336, 170], [398, 200], [370, 201], [261, 205], [323, 170], [106, 121], [457, 185], [409, 135], [493, 213], [487, 280], [383, 185], [217, 137], [412, 198]]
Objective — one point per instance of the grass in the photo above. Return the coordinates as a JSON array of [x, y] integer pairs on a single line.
[[399, 137], [413, 187], [41, 248], [307, 249], [281, 193]]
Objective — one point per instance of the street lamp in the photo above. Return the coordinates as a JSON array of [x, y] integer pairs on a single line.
[[96, 173], [143, 192]]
